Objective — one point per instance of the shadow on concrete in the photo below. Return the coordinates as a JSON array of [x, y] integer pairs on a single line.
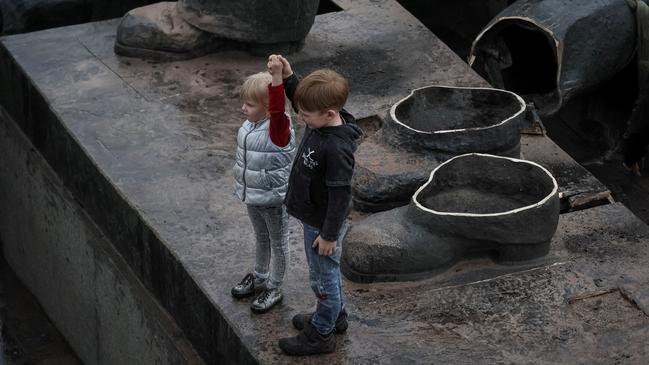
[[27, 336]]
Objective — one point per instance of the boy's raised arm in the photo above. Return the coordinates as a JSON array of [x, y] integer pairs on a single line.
[[290, 81]]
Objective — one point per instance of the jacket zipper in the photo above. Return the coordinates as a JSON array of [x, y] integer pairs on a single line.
[[245, 160]]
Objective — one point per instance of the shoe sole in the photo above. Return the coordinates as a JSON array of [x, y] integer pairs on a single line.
[[212, 46], [261, 311], [328, 351], [307, 353], [166, 56], [242, 296], [248, 295], [510, 255], [365, 278]]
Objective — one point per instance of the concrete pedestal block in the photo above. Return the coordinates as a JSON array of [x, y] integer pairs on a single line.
[[83, 284]]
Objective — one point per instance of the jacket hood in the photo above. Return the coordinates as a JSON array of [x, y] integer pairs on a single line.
[[349, 130]]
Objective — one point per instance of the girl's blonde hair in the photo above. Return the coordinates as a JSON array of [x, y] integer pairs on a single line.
[[255, 88]]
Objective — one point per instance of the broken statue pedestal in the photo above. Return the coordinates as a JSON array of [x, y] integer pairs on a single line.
[[471, 204]]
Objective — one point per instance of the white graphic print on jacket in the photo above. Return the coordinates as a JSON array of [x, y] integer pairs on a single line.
[[308, 161]]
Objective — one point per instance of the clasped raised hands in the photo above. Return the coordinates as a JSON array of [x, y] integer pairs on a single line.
[[275, 65], [278, 64]]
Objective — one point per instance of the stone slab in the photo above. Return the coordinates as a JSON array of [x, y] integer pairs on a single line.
[[83, 284], [147, 149]]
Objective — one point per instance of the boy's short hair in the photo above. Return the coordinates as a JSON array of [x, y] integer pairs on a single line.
[[255, 88], [321, 90]]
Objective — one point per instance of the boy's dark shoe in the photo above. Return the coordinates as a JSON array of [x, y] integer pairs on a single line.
[[266, 300], [300, 321], [308, 342], [634, 168], [246, 288]]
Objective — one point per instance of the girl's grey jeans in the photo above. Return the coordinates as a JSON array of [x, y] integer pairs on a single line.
[[271, 232]]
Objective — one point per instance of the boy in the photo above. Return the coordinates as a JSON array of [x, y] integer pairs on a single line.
[[319, 195], [265, 149]]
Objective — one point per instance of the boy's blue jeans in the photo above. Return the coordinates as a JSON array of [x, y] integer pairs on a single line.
[[324, 277]]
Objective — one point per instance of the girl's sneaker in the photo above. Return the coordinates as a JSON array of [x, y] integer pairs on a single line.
[[266, 300], [247, 287]]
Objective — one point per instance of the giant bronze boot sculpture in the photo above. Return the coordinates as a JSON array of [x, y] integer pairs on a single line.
[[552, 50], [472, 203], [429, 126], [190, 28]]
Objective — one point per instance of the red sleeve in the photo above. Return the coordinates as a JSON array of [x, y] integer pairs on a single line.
[[279, 122]]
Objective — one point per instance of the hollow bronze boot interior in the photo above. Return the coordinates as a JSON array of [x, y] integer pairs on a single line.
[[426, 128], [549, 51]]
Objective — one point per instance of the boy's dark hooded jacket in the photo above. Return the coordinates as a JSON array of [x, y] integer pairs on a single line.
[[319, 186]]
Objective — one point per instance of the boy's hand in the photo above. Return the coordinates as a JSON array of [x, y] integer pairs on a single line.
[[275, 69], [274, 65], [325, 248], [633, 169], [287, 70]]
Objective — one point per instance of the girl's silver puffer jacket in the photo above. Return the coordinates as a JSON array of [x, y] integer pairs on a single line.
[[262, 168]]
